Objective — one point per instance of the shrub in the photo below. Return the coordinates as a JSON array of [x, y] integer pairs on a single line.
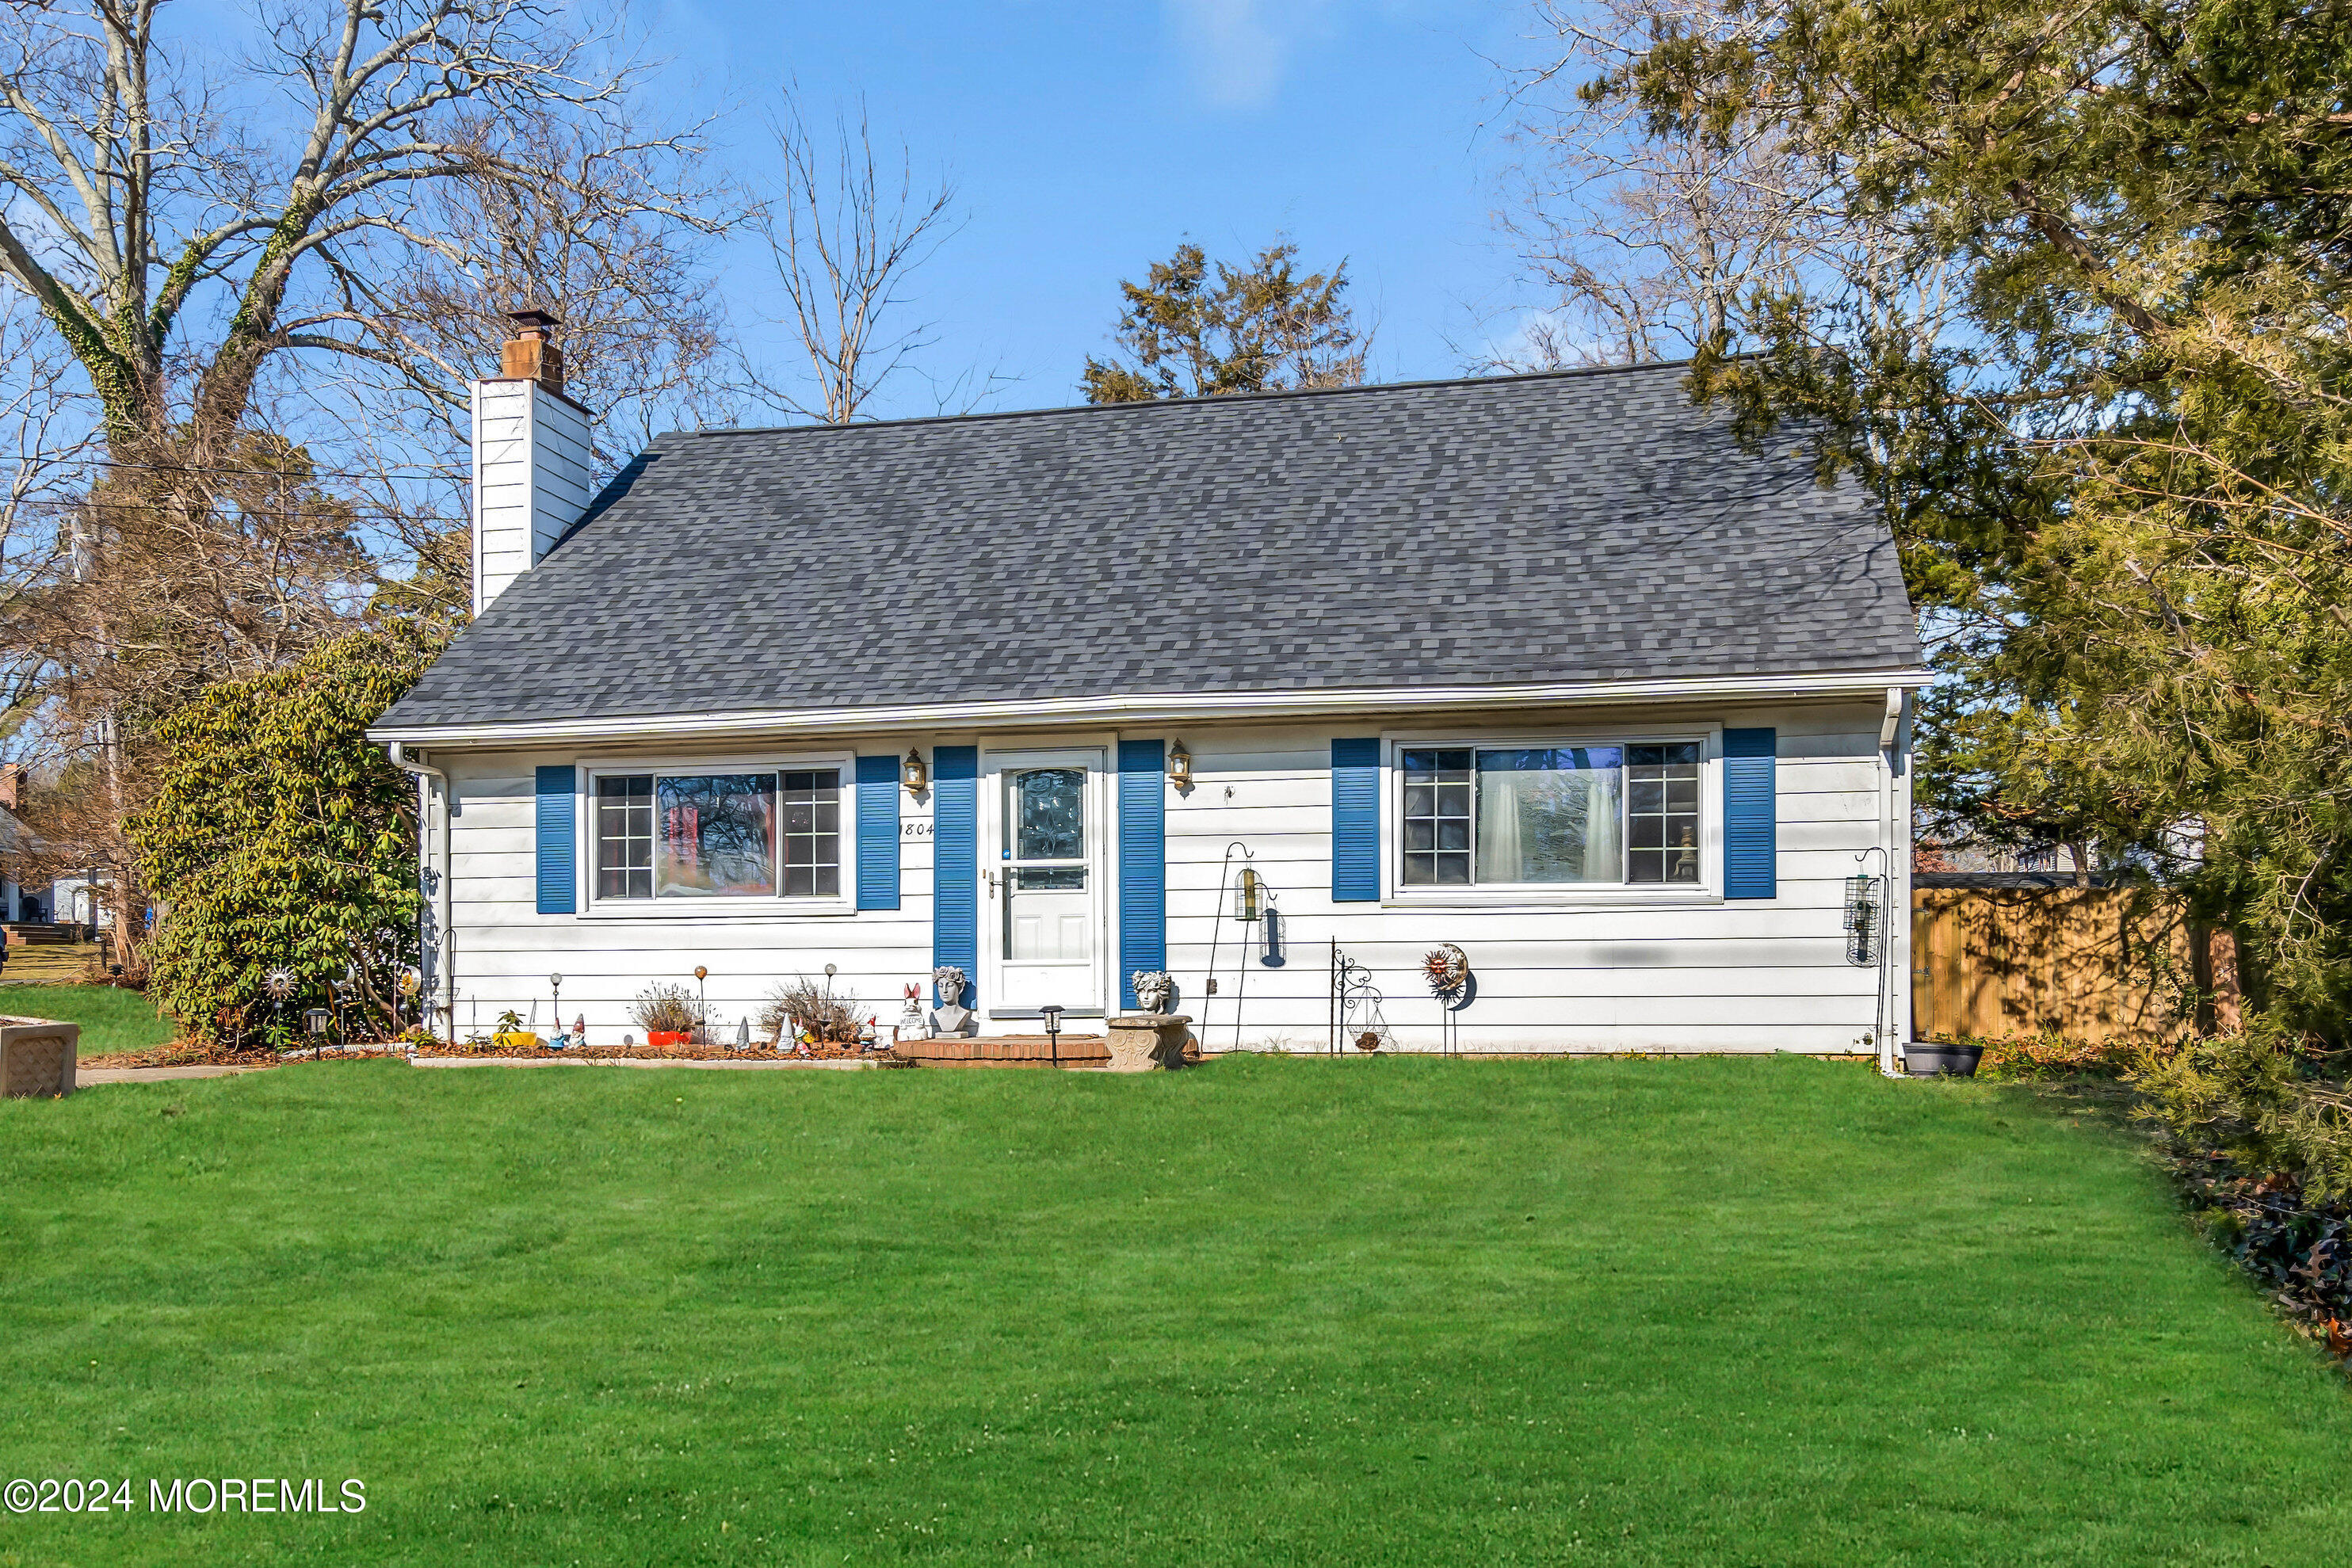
[[279, 836], [811, 1009], [671, 1009], [2260, 1100], [2017, 1058]]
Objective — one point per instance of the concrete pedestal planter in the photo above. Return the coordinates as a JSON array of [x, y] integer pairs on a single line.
[[37, 1056], [1140, 1042], [1924, 1059]]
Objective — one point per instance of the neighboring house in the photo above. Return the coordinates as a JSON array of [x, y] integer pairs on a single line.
[[25, 901], [1543, 666], [84, 898]]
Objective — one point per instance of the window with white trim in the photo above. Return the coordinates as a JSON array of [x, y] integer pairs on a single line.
[[1538, 816], [736, 834]]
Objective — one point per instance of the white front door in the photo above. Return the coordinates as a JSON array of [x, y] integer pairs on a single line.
[[1041, 868]]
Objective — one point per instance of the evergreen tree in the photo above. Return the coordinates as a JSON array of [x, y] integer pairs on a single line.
[[2119, 477], [1258, 329]]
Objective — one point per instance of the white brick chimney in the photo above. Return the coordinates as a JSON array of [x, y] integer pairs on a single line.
[[532, 460]]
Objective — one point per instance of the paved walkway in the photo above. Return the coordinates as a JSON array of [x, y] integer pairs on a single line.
[[86, 1076], [51, 963]]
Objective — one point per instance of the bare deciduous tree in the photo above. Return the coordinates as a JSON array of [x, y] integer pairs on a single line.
[[846, 234], [227, 246], [1653, 243]]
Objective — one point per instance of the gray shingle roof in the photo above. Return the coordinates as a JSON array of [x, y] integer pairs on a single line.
[[1584, 526]]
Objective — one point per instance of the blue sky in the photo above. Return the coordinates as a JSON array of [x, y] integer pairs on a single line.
[[1087, 139]]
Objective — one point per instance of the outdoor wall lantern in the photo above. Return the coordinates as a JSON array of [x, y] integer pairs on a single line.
[[1251, 891], [1179, 766], [917, 777]]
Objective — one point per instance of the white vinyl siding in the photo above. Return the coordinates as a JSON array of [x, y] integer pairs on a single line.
[[1659, 970]]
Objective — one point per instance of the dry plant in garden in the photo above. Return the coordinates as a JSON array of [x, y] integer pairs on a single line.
[[811, 1008], [666, 1008]]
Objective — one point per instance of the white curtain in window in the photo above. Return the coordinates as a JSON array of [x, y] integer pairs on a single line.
[[1549, 816]]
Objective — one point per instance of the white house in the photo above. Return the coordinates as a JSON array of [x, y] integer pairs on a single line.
[[22, 903], [1544, 667]]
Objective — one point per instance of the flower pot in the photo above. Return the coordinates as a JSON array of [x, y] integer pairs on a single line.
[[515, 1041], [668, 1039], [1925, 1060]]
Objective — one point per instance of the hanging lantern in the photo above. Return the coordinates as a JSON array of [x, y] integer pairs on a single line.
[[1250, 894]]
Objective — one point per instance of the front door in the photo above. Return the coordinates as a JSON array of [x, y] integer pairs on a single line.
[[1045, 882]]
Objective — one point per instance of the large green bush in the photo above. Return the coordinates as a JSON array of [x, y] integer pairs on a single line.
[[280, 837], [2267, 1103]]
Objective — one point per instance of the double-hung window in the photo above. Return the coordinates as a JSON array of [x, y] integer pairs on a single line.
[[752, 833], [1523, 816]]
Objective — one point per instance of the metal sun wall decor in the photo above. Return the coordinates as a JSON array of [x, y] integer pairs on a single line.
[[1447, 969]]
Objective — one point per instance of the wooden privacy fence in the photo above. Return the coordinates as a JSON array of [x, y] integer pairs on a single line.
[[2086, 964]]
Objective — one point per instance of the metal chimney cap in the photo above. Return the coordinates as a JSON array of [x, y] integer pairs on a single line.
[[535, 318]]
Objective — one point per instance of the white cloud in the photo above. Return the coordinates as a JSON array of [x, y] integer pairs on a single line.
[[1236, 51]]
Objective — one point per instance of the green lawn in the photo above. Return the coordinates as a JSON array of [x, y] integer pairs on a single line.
[[110, 1018], [1391, 1310]]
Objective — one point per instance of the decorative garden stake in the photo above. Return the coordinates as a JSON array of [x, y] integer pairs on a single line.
[[1447, 968], [702, 1005]]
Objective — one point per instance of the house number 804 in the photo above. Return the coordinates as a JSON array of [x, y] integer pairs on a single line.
[[917, 830]]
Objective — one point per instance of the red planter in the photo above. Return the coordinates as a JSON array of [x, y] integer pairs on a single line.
[[659, 1038]]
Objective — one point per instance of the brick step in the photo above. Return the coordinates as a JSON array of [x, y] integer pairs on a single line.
[[1020, 1049], [31, 934]]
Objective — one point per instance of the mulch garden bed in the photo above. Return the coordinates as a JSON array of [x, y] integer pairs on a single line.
[[180, 1053], [188, 1053], [650, 1053]]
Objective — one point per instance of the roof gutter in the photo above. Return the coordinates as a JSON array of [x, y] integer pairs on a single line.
[[1171, 707]]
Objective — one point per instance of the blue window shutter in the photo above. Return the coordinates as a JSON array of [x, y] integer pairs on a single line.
[[1356, 821], [1143, 862], [1751, 814], [878, 832], [558, 889], [955, 862]]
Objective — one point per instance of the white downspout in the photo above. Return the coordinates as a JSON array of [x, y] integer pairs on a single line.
[[445, 969], [1890, 731]]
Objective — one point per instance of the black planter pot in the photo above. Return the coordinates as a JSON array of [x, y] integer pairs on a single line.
[[1926, 1061]]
